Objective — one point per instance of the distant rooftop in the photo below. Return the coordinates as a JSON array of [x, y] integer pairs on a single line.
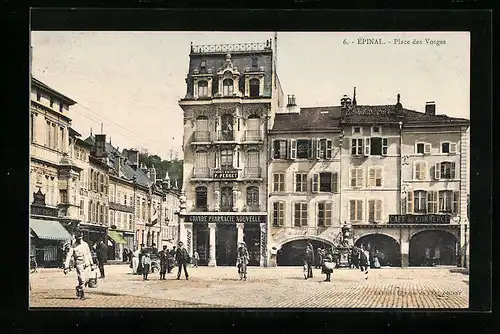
[[225, 48]]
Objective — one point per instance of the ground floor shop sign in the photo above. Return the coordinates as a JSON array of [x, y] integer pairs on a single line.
[[230, 219], [419, 219]]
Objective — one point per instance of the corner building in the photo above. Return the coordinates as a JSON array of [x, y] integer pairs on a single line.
[[228, 108], [404, 183]]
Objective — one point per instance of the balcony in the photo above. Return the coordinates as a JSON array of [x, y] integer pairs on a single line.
[[225, 135], [201, 137], [253, 172], [253, 136], [201, 173]]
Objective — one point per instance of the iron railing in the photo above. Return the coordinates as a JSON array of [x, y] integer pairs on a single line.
[[225, 135], [202, 136], [253, 135], [201, 172], [253, 171], [239, 47]]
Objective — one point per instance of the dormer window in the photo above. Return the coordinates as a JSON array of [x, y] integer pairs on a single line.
[[376, 130], [202, 88], [254, 87], [356, 130], [227, 86]]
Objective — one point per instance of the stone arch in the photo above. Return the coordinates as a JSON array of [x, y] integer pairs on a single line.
[[434, 246], [358, 236], [290, 252], [384, 246]]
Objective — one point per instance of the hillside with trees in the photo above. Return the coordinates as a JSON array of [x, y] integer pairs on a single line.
[[173, 167]]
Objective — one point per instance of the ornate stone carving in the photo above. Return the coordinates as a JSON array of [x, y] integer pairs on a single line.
[[249, 111], [225, 111], [202, 113]]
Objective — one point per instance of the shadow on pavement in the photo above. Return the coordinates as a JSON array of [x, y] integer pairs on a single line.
[[464, 271]]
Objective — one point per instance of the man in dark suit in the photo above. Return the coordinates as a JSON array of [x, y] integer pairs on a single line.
[[309, 260], [102, 256], [182, 258]]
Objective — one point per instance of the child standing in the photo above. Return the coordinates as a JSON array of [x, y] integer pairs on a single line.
[[146, 264], [196, 258]]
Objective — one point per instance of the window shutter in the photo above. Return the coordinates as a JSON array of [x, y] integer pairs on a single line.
[[371, 210], [315, 181], [352, 176], [293, 149], [352, 145], [415, 166], [359, 177], [359, 210], [427, 148], [453, 171], [335, 182], [352, 209], [409, 202], [423, 171], [378, 210], [311, 153], [318, 148], [367, 146], [273, 144], [378, 175], [329, 149], [453, 147], [281, 213], [371, 177], [437, 171], [384, 146]]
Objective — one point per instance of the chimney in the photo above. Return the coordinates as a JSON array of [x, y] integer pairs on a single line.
[[152, 174], [291, 106], [399, 107], [133, 158], [100, 145], [430, 108], [354, 102]]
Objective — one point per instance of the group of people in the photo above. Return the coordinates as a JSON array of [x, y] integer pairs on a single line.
[[168, 259], [361, 258], [324, 259]]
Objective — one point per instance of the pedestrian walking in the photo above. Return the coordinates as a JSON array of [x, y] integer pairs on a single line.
[[146, 265], [79, 252], [364, 262], [182, 258], [125, 255], [328, 265], [309, 260], [319, 258], [376, 262], [355, 257], [135, 261], [242, 261], [164, 255], [102, 256], [196, 258]]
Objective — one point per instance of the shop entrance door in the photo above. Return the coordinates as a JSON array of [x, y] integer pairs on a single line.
[[202, 235], [252, 240], [226, 239]]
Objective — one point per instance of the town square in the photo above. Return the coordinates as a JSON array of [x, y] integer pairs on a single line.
[[228, 170]]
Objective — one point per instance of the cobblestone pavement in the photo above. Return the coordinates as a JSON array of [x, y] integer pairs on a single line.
[[281, 287]]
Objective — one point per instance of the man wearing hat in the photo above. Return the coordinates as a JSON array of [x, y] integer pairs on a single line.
[[242, 258], [182, 258], [80, 253]]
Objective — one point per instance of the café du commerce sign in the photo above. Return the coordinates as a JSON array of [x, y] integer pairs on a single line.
[[419, 219], [227, 219]]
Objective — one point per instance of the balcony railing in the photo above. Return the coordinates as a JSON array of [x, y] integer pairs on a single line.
[[253, 135], [225, 135], [253, 172], [201, 172], [201, 136], [224, 48]]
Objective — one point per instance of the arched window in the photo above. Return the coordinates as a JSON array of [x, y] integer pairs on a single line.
[[202, 88], [227, 87], [253, 197], [254, 87], [201, 198]]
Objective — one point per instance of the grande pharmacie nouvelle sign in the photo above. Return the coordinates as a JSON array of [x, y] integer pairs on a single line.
[[225, 219]]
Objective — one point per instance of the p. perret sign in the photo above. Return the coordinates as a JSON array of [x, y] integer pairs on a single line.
[[225, 174], [419, 219]]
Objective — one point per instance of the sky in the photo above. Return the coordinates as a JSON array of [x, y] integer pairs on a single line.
[[132, 81]]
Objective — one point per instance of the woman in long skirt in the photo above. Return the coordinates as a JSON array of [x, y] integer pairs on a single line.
[[328, 266]]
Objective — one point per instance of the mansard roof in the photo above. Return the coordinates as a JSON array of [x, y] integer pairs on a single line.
[[309, 119]]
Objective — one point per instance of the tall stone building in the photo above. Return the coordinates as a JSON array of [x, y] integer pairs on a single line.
[[228, 108], [54, 185]]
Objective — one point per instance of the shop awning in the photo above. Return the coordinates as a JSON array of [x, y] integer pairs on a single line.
[[49, 230], [117, 237]]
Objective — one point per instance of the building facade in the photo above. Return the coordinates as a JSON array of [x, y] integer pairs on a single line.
[[304, 181], [404, 183], [227, 111], [53, 177]]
